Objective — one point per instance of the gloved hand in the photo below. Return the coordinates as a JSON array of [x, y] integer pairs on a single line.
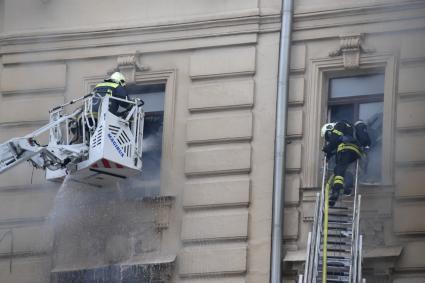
[[327, 152]]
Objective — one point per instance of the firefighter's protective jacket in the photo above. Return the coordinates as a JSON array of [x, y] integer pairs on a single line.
[[111, 89], [341, 137]]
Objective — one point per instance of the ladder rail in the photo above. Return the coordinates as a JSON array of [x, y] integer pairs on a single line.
[[325, 234], [356, 241], [319, 224], [311, 249], [360, 259], [353, 228], [307, 261]]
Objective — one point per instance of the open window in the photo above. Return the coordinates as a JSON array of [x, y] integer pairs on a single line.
[[361, 98], [153, 95]]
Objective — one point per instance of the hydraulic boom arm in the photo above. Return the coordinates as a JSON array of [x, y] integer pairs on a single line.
[[18, 150]]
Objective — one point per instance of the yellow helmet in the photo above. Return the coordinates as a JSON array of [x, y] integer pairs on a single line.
[[118, 78]]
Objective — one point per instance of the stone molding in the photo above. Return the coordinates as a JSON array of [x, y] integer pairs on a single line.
[[380, 18], [351, 46], [128, 65], [234, 24], [308, 14], [320, 69]]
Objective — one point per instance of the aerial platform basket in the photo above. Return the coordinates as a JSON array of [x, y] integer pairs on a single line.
[[115, 147], [93, 144]]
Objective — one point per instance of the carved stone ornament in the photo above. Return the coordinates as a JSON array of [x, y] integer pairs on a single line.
[[128, 65], [351, 46]]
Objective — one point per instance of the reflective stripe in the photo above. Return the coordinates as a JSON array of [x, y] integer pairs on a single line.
[[339, 178], [114, 85], [349, 146], [337, 132]]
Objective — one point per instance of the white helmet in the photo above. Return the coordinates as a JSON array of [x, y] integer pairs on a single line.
[[327, 127], [118, 78]]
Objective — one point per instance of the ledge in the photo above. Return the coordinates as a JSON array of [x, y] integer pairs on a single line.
[[155, 269], [383, 252], [295, 256], [368, 254]]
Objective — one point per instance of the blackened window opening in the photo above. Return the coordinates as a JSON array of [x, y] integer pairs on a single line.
[[148, 182], [361, 98]]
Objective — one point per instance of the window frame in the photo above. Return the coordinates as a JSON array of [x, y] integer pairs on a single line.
[[167, 77], [356, 100], [320, 71]]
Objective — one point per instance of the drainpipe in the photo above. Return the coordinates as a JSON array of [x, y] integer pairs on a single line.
[[280, 141]]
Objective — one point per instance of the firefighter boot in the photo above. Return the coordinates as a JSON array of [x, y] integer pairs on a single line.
[[337, 187], [333, 198]]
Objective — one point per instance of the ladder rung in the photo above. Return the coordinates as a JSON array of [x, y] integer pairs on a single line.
[[335, 273], [339, 264], [339, 250], [339, 243], [341, 222], [342, 215], [340, 208]]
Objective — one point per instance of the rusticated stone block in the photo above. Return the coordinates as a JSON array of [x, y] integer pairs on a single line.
[[222, 62], [218, 159], [213, 259], [215, 225], [220, 128], [233, 192], [224, 94]]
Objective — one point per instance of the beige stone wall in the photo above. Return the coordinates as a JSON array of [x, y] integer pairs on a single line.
[[393, 40], [219, 60]]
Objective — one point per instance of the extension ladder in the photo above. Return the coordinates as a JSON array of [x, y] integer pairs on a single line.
[[334, 248]]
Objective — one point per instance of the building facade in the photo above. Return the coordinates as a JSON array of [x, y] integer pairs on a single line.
[[207, 71]]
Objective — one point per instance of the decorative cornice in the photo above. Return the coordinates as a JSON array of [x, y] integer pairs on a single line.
[[308, 14], [111, 32], [237, 29], [380, 18]]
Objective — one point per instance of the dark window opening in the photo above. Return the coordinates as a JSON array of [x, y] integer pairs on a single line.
[[148, 182], [361, 98]]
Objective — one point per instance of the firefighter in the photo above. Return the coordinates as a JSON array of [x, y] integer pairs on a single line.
[[113, 86], [347, 143]]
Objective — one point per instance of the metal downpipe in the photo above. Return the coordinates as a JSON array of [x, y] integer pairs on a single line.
[[280, 141]]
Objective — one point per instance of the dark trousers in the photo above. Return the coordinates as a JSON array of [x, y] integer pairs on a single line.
[[343, 159]]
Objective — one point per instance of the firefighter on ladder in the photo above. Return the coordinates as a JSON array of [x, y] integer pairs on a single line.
[[347, 143]]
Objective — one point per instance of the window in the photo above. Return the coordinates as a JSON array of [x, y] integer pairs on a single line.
[[361, 98], [148, 183]]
